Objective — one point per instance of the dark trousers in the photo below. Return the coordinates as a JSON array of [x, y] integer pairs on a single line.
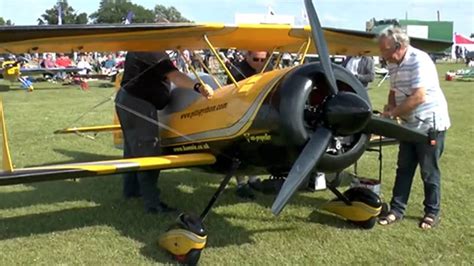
[[410, 155], [140, 139]]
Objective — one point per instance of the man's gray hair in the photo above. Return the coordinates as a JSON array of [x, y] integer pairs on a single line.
[[396, 34]]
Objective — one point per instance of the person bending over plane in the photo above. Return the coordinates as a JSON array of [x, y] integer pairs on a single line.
[[144, 90], [416, 97], [252, 64]]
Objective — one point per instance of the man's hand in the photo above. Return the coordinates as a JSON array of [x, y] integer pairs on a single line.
[[206, 91], [387, 111]]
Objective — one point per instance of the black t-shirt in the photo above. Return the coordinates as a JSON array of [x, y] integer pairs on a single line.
[[145, 76], [243, 70], [240, 71]]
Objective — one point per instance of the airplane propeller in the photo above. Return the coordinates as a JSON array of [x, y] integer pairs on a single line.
[[343, 113]]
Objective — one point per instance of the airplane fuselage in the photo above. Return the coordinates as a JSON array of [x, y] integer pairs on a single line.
[[263, 122]]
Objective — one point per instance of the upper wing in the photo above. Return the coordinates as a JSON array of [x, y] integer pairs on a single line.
[[76, 170], [156, 37]]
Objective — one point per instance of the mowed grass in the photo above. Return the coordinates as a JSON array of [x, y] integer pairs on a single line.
[[87, 222]]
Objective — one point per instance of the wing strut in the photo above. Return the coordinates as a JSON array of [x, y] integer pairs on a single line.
[[6, 159]]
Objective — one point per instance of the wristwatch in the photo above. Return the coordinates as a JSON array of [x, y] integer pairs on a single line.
[[197, 86]]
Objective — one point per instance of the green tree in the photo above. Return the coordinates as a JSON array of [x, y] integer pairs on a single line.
[[69, 16], [4, 22], [170, 14], [115, 11]]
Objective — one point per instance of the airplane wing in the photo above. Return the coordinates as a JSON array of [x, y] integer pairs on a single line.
[[154, 37], [33, 71], [77, 170], [11, 175]]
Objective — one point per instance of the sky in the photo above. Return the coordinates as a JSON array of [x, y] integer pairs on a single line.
[[333, 13]]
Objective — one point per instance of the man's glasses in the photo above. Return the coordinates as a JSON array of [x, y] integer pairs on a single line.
[[258, 59]]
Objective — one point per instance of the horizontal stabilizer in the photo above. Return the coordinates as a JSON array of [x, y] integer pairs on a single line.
[[88, 129], [89, 169]]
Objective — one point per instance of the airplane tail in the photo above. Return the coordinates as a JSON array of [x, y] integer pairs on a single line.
[[114, 128], [6, 158]]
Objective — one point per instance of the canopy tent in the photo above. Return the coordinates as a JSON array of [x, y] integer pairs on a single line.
[[462, 44]]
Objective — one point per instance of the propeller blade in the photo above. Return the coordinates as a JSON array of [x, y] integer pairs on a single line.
[[320, 41], [306, 161], [389, 128]]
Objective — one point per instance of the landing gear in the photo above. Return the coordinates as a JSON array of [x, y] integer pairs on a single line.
[[368, 224], [360, 206], [186, 240]]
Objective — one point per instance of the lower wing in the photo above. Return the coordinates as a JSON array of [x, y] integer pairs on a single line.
[[89, 169]]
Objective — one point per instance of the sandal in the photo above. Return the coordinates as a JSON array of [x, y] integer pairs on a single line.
[[390, 218], [428, 221]]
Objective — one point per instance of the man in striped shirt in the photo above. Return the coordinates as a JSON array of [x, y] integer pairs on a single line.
[[416, 98]]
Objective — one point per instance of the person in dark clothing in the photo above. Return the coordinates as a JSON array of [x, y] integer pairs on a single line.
[[252, 64], [144, 90], [362, 67]]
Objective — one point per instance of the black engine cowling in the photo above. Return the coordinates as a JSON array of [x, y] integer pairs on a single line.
[[302, 93]]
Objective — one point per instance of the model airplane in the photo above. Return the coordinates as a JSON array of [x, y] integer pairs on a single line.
[[287, 122], [12, 71]]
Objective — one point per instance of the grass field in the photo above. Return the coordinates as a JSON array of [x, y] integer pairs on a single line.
[[87, 222]]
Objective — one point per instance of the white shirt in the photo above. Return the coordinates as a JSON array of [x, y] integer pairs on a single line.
[[353, 64], [85, 66], [417, 70]]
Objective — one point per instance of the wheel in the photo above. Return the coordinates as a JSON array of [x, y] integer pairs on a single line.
[[368, 224], [185, 240], [384, 210], [191, 258]]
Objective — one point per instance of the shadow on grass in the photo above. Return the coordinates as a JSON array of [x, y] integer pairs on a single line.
[[331, 220], [109, 209], [4, 88], [78, 157]]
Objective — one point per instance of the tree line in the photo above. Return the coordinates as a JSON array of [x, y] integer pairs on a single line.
[[109, 11]]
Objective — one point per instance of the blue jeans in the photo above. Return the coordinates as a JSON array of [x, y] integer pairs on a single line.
[[140, 139], [410, 155]]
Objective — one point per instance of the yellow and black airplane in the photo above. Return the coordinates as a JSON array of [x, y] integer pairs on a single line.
[[286, 122]]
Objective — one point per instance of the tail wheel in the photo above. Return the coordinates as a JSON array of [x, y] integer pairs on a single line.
[[191, 258], [368, 224]]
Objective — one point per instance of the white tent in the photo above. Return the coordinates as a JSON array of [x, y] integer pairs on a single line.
[[463, 44]]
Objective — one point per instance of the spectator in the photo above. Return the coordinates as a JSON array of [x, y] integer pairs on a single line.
[[362, 67], [253, 64], [144, 90]]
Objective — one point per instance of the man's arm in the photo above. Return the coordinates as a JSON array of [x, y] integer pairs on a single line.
[[391, 99], [413, 101], [390, 104], [184, 81]]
